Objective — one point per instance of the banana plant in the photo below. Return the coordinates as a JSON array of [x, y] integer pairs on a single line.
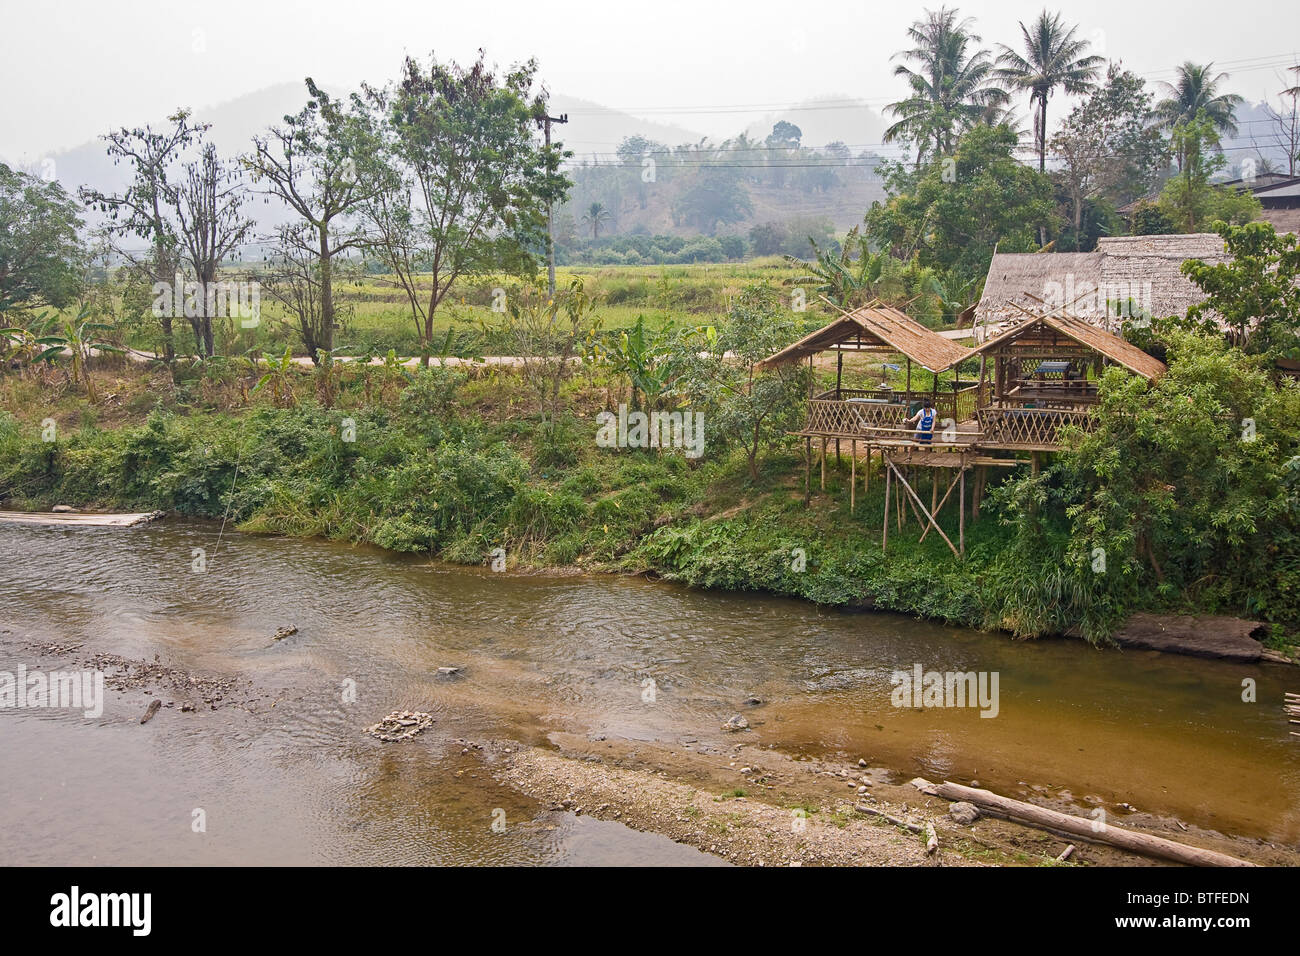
[[853, 276], [279, 376], [25, 347], [642, 357]]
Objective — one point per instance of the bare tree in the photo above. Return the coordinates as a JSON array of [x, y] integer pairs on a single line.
[[209, 211], [316, 164], [142, 210], [1284, 125]]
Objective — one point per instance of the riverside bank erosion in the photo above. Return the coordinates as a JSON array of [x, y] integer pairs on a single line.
[[547, 719]]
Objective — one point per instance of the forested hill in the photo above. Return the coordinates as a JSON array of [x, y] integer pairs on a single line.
[[772, 192]]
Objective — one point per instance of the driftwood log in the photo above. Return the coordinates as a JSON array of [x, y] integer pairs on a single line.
[[1107, 833], [872, 811]]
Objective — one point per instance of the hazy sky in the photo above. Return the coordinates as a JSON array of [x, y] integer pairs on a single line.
[[72, 69]]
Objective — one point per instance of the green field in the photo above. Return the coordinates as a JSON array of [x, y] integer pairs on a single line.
[[374, 315]]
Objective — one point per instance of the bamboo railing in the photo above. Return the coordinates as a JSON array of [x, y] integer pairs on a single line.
[[1028, 428]]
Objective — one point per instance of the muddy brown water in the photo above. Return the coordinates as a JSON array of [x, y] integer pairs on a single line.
[[298, 782]]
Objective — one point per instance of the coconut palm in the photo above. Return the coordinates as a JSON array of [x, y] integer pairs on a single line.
[[1195, 90], [596, 216], [951, 89], [1052, 58]]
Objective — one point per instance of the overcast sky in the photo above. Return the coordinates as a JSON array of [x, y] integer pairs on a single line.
[[72, 69]]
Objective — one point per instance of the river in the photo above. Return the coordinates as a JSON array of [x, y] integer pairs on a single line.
[[297, 781]]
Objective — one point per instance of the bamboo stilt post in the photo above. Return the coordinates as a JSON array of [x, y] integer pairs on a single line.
[[934, 490], [917, 501], [961, 515], [853, 476], [823, 464], [884, 535], [866, 480], [807, 471], [898, 505], [943, 502]]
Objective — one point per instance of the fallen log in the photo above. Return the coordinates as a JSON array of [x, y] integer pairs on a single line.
[[872, 811], [1065, 854], [1093, 830]]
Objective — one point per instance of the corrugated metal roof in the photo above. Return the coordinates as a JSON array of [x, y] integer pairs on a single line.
[[878, 328]]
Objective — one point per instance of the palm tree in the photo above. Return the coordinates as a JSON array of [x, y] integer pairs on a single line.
[[950, 89], [1294, 90], [596, 216], [1196, 90], [1053, 58]]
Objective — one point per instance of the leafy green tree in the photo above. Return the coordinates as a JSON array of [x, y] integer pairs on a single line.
[[951, 214], [463, 136], [319, 164], [1190, 199], [145, 210], [1053, 58], [1182, 484], [1256, 293], [951, 87], [745, 406], [41, 254], [1110, 149]]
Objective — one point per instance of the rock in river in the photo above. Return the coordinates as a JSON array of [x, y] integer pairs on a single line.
[[736, 723]]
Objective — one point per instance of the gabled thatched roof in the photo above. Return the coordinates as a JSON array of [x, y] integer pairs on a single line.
[[1024, 278], [1118, 350], [1143, 270], [876, 329]]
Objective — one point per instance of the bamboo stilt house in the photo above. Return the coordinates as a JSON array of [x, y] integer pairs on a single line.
[[1039, 375], [859, 412]]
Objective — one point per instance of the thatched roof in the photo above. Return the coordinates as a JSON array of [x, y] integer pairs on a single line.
[[876, 329], [1141, 270], [1044, 328], [1024, 278]]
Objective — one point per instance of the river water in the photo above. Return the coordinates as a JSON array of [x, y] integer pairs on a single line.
[[299, 782]]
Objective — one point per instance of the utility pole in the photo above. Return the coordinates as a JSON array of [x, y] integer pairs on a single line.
[[545, 123]]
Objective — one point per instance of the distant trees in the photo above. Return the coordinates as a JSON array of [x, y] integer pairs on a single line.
[[595, 217], [1052, 58], [41, 253], [951, 89]]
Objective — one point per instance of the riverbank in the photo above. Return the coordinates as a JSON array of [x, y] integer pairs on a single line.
[[461, 466]]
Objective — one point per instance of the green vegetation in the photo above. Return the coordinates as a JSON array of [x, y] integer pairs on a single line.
[[1188, 513]]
